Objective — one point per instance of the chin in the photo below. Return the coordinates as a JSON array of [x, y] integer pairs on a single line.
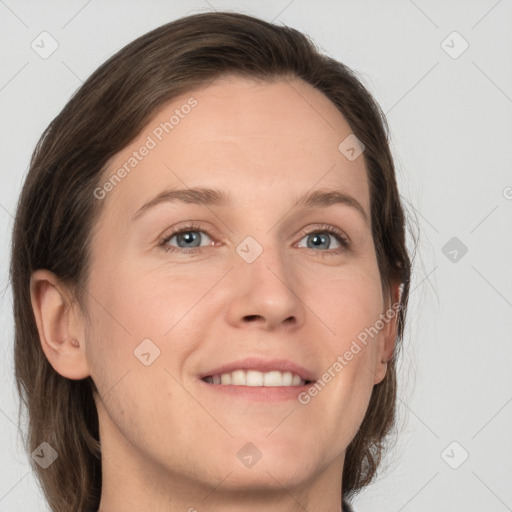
[[272, 476], [271, 461]]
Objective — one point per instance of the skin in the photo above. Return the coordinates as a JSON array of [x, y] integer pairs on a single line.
[[168, 442]]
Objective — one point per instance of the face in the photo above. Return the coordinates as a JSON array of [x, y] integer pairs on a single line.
[[186, 292]]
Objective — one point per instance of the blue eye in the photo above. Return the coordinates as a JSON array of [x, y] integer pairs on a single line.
[[189, 238], [321, 238]]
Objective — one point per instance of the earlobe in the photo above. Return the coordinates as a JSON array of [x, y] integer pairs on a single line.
[[59, 326]]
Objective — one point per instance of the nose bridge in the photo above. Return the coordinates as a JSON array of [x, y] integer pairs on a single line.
[[265, 262], [264, 284]]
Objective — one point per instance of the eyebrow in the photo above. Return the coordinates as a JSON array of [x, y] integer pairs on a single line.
[[320, 198]]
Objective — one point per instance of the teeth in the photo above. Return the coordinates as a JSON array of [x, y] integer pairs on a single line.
[[273, 379], [296, 380], [238, 378], [255, 378], [287, 378]]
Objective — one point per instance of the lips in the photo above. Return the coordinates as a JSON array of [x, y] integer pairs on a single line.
[[254, 371]]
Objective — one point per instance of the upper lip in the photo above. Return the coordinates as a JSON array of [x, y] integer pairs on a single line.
[[261, 365]]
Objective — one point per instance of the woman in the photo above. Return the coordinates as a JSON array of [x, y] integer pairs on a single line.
[[210, 278]]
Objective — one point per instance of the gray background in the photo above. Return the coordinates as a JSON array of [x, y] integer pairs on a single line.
[[450, 118]]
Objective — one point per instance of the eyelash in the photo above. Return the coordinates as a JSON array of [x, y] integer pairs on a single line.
[[323, 228]]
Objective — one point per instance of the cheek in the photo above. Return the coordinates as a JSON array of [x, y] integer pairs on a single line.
[[351, 305], [154, 300], [165, 308]]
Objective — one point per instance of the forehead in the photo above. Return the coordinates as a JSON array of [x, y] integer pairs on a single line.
[[262, 141]]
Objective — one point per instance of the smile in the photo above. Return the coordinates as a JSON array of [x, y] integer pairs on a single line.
[[254, 378]]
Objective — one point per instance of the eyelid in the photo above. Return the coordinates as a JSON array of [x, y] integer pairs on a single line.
[[328, 228], [184, 227]]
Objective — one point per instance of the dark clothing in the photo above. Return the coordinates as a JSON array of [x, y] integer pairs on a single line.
[[346, 507]]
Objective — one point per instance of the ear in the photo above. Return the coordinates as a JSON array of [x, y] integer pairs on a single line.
[[60, 325], [388, 334]]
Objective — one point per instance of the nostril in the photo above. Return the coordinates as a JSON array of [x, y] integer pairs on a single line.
[[252, 317]]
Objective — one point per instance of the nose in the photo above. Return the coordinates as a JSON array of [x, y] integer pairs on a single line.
[[265, 294]]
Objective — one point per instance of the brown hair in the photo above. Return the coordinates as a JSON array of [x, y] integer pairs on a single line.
[[57, 210]]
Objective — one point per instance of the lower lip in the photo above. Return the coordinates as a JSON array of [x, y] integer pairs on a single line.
[[259, 393]]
